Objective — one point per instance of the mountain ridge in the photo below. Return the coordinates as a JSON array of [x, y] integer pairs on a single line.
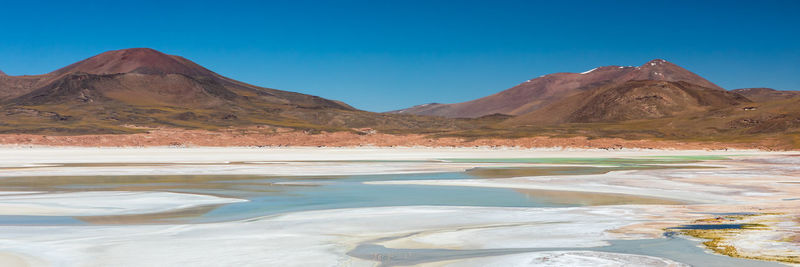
[[141, 90], [762, 94], [638, 99], [536, 93], [143, 87]]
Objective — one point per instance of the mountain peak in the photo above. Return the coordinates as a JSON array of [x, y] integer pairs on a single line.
[[656, 62], [136, 60], [547, 89], [3, 73], [662, 70]]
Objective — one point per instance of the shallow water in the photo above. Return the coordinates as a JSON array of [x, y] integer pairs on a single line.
[[274, 195], [722, 226], [599, 161], [673, 248], [270, 195]]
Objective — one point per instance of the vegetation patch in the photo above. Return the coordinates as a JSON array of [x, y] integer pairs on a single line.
[[719, 231]]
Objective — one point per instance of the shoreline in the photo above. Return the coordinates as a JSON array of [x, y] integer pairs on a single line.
[[254, 137], [16, 157]]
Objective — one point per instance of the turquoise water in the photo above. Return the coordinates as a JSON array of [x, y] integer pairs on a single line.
[[269, 195], [673, 248], [273, 195], [350, 192], [597, 161]]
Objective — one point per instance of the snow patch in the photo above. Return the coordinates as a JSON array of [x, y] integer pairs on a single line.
[[657, 61], [585, 72]]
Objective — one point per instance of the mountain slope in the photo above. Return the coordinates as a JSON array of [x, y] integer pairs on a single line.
[[120, 90], [136, 60], [631, 100], [766, 94], [542, 91], [143, 75]]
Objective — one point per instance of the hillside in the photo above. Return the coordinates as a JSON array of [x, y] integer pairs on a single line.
[[766, 94], [542, 91], [120, 91], [631, 101]]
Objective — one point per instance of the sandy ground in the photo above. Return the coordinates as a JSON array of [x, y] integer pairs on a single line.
[[287, 137], [760, 182]]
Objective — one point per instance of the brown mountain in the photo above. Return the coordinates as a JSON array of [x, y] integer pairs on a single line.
[[766, 94], [143, 76], [136, 60], [144, 87], [542, 91], [632, 100]]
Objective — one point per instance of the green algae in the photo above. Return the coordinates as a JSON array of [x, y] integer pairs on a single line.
[[718, 238], [598, 161]]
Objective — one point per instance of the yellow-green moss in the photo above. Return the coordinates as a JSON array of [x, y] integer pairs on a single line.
[[717, 239]]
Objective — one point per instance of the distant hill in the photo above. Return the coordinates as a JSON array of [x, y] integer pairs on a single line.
[[632, 100], [766, 94], [540, 92], [143, 87]]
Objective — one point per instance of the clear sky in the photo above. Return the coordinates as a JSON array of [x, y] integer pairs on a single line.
[[385, 55]]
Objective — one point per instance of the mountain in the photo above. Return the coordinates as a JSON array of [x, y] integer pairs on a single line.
[[137, 60], [143, 76], [632, 100], [766, 94], [542, 91], [122, 90]]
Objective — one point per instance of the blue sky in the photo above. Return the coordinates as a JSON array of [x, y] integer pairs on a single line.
[[385, 55]]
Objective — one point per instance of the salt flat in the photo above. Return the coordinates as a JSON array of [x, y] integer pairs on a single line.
[[97, 203], [21, 156], [319, 238], [510, 236]]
